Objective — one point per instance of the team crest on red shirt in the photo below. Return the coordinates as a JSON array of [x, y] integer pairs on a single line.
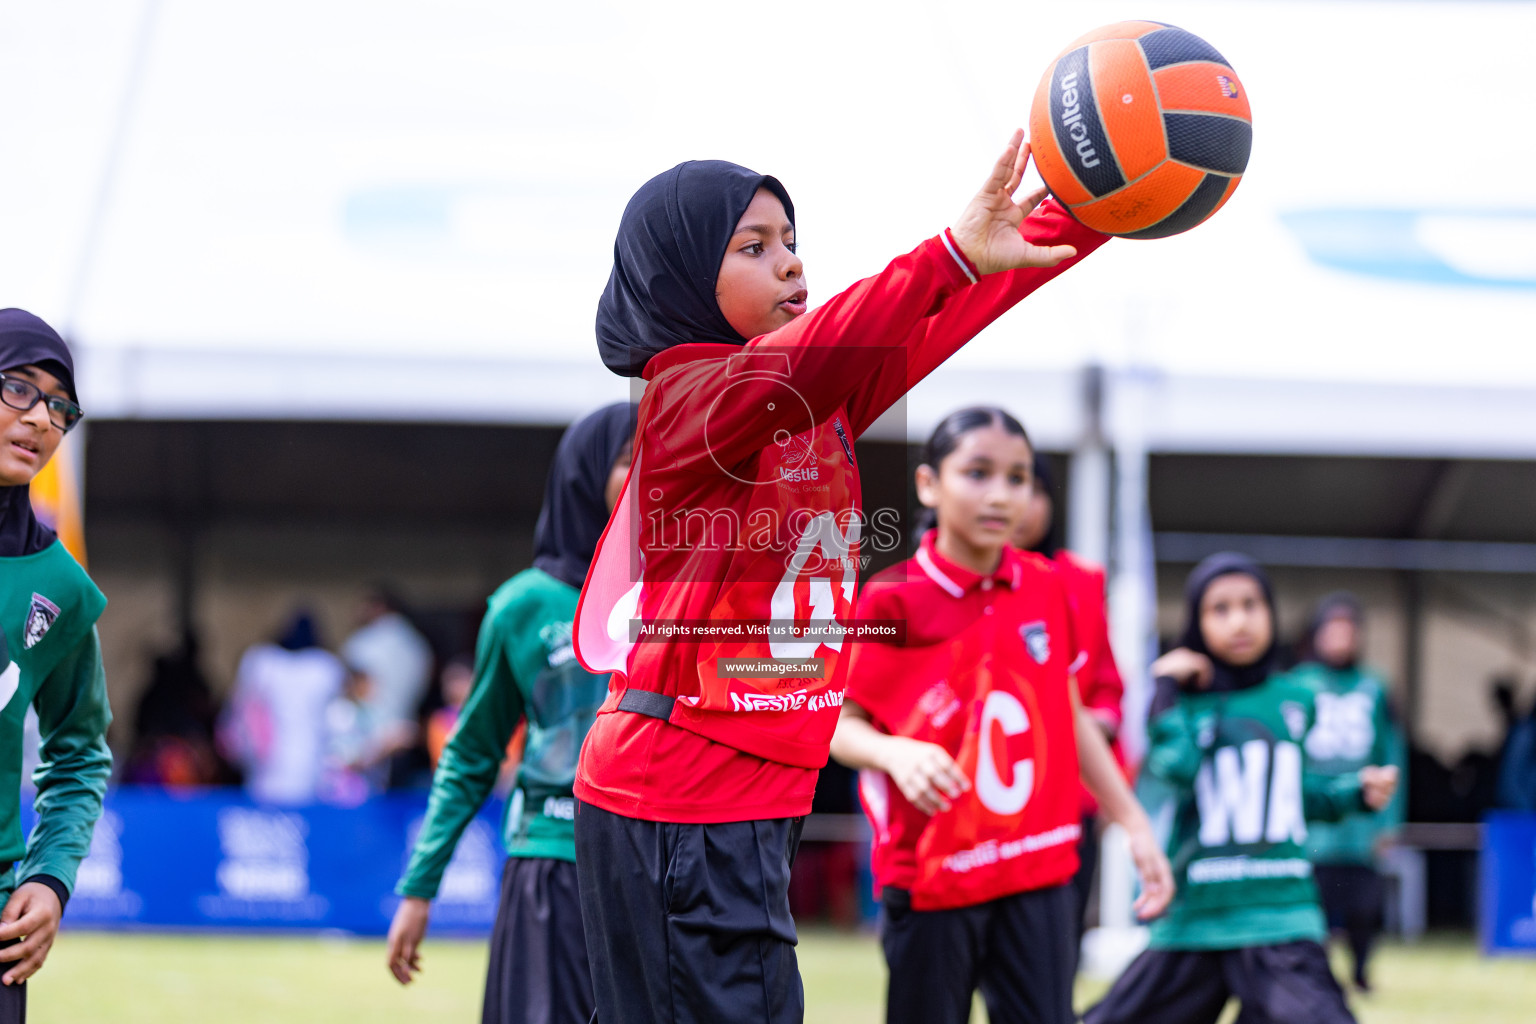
[[1036, 640]]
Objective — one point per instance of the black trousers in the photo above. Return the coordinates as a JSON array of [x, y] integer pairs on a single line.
[[689, 924], [13, 998], [1017, 950], [1352, 897], [1279, 984], [538, 972]]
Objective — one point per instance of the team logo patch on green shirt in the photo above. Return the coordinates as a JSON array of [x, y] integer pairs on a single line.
[[40, 618]]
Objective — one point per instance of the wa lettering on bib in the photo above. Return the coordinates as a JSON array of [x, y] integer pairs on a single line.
[[1251, 794]]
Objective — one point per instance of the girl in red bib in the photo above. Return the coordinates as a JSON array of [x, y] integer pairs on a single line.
[[972, 739]]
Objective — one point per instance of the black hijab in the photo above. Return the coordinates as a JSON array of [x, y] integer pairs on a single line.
[[666, 258], [1340, 604], [1228, 677], [26, 340], [574, 513]]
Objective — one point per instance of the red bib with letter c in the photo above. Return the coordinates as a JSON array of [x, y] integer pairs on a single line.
[[996, 696]]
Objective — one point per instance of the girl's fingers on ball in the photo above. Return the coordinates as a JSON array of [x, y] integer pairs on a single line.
[[1003, 169], [1020, 166]]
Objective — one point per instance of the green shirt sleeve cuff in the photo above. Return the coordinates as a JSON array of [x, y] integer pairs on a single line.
[[59, 888]]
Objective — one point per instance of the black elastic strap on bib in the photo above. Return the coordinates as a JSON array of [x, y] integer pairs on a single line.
[[648, 703]]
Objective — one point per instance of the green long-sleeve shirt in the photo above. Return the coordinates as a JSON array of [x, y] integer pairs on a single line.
[[525, 666], [1227, 784], [1354, 728], [50, 658]]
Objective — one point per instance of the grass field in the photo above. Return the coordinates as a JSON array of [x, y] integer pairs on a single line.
[[181, 979]]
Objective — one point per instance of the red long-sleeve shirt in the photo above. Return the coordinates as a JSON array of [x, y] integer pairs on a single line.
[[743, 511]]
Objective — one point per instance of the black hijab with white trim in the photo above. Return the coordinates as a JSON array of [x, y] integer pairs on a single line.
[[25, 340]]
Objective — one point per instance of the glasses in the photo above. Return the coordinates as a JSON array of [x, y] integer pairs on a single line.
[[23, 395]]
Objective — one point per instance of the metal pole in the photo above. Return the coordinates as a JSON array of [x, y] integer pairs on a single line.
[[1133, 583], [1132, 616], [1088, 505]]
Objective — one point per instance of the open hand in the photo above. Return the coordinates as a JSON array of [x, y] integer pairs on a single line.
[[406, 931], [988, 229], [1157, 885], [1377, 784], [33, 911], [924, 772]]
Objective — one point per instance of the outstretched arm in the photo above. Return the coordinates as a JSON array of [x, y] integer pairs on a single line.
[[863, 337], [1013, 248]]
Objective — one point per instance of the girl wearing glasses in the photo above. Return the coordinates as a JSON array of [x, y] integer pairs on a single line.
[[50, 658]]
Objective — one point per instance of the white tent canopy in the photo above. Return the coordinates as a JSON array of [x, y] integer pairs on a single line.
[[328, 209]]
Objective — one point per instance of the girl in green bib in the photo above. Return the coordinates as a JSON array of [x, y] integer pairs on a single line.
[[50, 659], [1228, 782]]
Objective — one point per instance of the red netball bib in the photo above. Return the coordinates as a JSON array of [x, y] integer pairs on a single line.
[[996, 696]]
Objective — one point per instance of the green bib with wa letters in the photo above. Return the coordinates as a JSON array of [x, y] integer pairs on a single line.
[[1228, 783]]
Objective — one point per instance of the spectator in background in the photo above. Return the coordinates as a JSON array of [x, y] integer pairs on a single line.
[[454, 683], [1354, 728], [398, 662], [173, 730], [273, 726], [1517, 766], [353, 766]]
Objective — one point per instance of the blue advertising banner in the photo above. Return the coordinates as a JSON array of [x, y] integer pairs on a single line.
[[1508, 918], [217, 860]]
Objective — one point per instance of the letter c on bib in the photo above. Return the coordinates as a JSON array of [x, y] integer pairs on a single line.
[[1005, 710]]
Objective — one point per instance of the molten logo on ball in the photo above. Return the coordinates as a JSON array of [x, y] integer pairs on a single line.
[[1072, 121]]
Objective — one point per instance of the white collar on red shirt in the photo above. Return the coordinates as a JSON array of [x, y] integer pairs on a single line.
[[957, 581]]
